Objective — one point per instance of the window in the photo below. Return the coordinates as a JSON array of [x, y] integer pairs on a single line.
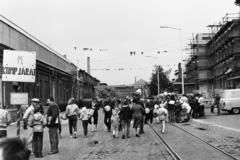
[[40, 89]]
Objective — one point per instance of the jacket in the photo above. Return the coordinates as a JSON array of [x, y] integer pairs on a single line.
[[5, 118], [126, 113], [37, 121], [53, 115]]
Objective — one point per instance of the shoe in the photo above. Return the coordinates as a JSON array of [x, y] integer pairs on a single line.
[[41, 156], [36, 156], [85, 136], [109, 130], [114, 136], [60, 136], [163, 132], [75, 135], [71, 136], [123, 136], [128, 136], [137, 135], [50, 153]]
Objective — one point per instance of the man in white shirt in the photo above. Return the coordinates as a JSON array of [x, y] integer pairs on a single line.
[[5, 120], [30, 111], [201, 102], [188, 108]]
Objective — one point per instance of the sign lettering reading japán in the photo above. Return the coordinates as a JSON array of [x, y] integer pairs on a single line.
[[19, 66]]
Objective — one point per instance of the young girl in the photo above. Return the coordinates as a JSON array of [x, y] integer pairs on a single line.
[[163, 115], [115, 119], [37, 121], [84, 116]]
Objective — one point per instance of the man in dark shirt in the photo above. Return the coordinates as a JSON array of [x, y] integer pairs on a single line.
[[107, 110], [53, 125]]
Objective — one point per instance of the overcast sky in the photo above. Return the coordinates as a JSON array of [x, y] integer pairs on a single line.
[[117, 27]]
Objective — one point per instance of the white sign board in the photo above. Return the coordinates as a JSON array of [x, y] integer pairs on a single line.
[[19, 66], [18, 98]]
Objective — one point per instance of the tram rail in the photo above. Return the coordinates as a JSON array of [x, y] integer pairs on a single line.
[[174, 154]]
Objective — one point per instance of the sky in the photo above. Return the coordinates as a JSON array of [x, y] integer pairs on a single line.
[[114, 28]]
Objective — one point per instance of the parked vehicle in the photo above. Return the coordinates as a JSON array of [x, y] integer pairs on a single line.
[[230, 101]]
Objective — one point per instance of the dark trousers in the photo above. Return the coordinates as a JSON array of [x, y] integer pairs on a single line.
[[60, 129], [38, 143], [151, 116], [53, 136], [85, 127], [126, 127], [72, 121], [178, 116], [107, 120], [212, 108], [95, 117], [218, 109], [202, 113], [3, 133], [171, 115], [141, 125]]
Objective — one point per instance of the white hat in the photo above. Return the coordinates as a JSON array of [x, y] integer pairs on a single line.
[[35, 100]]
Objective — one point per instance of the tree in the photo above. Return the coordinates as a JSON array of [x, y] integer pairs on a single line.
[[104, 92], [163, 80]]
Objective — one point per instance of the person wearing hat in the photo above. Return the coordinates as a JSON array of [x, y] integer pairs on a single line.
[[30, 111], [5, 121]]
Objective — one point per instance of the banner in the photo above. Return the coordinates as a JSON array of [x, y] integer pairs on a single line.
[[19, 66]]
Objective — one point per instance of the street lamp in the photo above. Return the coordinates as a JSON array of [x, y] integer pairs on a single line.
[[158, 74], [181, 53]]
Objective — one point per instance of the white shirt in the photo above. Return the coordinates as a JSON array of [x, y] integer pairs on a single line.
[[186, 106], [28, 112], [201, 101]]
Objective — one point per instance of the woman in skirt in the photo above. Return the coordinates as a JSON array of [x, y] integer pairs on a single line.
[[137, 115]]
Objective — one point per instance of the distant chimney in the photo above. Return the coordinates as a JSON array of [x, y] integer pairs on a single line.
[[88, 65], [65, 56]]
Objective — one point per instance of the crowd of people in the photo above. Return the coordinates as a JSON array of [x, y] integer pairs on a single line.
[[119, 115]]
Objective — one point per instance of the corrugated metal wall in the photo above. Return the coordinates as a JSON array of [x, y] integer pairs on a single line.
[[16, 40]]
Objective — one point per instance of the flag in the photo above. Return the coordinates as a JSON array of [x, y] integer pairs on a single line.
[[84, 49], [103, 50]]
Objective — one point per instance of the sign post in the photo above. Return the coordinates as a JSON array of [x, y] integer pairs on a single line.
[[19, 66]]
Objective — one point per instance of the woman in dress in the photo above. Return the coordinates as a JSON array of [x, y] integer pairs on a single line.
[[137, 115], [115, 119]]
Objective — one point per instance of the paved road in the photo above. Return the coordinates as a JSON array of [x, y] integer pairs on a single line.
[[225, 120], [145, 147]]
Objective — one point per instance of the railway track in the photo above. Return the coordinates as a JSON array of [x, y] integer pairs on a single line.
[[181, 144]]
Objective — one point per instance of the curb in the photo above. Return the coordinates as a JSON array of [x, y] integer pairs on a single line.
[[228, 128]]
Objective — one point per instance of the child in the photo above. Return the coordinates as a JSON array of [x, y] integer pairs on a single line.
[[84, 116], [163, 115], [91, 119], [61, 116], [155, 114], [115, 121], [37, 121]]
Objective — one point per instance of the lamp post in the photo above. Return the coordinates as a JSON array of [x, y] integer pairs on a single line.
[[181, 53], [158, 74]]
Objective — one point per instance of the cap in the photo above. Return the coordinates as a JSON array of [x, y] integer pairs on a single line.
[[35, 100]]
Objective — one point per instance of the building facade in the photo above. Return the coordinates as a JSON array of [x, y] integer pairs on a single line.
[[56, 76], [214, 64]]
